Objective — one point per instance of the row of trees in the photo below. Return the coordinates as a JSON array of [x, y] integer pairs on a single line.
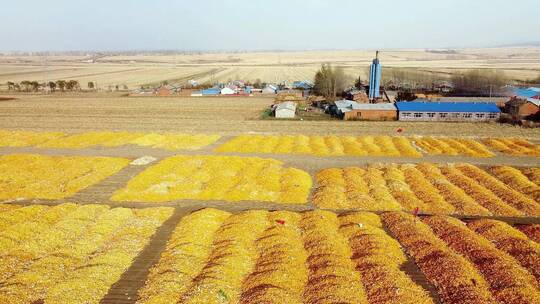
[[480, 82], [331, 81], [53, 86], [34, 86]]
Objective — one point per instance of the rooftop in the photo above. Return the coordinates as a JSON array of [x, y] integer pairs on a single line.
[[447, 107]]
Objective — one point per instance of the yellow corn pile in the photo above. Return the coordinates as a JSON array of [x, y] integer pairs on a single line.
[[280, 257], [322, 145], [26, 176], [72, 254], [225, 178], [513, 146], [452, 146], [426, 188]]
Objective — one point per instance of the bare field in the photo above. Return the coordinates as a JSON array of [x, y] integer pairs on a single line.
[[213, 115], [133, 71]]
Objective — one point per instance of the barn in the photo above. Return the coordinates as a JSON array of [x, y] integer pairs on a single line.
[[285, 109], [448, 111]]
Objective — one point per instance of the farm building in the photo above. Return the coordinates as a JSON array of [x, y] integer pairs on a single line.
[[285, 109], [210, 92], [142, 92], [526, 92], [519, 108], [167, 90], [352, 110], [227, 91], [357, 95], [270, 89], [447, 111], [372, 111]]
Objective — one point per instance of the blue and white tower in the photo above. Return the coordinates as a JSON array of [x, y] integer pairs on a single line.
[[375, 73]]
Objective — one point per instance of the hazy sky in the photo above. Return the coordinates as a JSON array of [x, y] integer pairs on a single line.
[[60, 25]]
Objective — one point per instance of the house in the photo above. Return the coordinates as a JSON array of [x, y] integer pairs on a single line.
[[227, 91], [211, 92], [285, 109], [142, 92], [357, 95], [270, 89], [167, 90], [302, 85], [520, 108], [447, 111]]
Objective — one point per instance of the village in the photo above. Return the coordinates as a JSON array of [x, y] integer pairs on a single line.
[[369, 101]]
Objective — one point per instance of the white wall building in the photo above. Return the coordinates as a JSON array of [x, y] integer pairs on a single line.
[[285, 109], [227, 91]]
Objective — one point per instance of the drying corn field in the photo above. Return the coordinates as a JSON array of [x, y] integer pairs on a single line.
[[158, 201], [461, 189]]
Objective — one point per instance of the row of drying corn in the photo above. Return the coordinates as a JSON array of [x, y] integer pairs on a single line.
[[70, 253], [322, 145], [452, 146], [427, 188], [464, 266], [280, 257], [226, 178], [280, 144], [61, 140], [52, 177]]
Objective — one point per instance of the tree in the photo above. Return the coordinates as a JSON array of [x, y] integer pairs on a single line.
[[52, 86], [358, 83], [34, 85], [61, 84], [90, 85], [329, 81], [25, 84], [257, 84], [125, 87], [11, 85], [479, 82], [72, 85]]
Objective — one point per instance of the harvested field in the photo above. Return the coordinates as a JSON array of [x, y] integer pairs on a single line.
[[212, 115], [460, 189], [136, 70]]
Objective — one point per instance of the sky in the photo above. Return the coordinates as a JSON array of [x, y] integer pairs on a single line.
[[212, 25]]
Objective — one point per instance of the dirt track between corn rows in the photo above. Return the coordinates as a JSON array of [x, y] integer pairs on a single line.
[[230, 117]]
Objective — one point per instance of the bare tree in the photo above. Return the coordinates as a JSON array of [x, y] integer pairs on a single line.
[[330, 82]]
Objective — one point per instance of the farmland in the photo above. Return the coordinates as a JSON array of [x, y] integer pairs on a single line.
[[136, 70], [111, 199]]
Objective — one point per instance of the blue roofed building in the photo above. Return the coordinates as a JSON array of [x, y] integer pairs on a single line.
[[526, 92], [211, 92], [448, 111]]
